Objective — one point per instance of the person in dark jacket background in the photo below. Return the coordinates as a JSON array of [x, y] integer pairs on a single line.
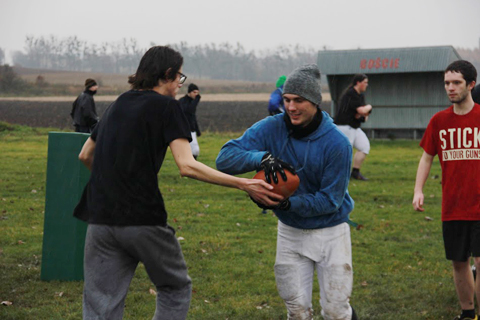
[[189, 105], [84, 113]]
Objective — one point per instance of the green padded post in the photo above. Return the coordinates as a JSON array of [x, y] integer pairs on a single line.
[[64, 235]]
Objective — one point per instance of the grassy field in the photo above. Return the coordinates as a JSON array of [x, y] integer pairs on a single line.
[[399, 267]]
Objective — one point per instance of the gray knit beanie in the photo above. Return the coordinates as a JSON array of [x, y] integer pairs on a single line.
[[305, 82]]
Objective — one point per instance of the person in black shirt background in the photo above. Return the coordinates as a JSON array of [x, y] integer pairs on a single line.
[[351, 112], [122, 203], [189, 105], [476, 94]]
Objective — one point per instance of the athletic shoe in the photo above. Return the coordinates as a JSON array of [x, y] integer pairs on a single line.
[[459, 318], [358, 176]]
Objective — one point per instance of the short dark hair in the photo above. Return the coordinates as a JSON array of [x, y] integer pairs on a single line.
[[464, 67], [158, 63], [359, 77]]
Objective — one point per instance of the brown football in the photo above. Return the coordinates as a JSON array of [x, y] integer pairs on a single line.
[[284, 188]]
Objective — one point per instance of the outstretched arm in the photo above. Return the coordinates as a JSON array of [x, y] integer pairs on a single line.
[[423, 170], [259, 190]]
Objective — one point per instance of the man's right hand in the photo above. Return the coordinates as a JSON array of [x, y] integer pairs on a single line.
[[418, 201], [260, 192]]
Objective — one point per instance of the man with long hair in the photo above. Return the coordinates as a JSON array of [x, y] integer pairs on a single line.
[[122, 204], [352, 111], [452, 134]]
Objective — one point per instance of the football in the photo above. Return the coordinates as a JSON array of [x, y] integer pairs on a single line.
[[284, 188]]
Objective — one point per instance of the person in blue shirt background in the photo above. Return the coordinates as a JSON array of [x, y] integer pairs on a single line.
[[275, 104]]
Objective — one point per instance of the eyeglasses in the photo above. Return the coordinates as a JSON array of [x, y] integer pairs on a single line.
[[182, 78]]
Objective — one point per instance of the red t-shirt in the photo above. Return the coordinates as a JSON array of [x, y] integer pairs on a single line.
[[456, 140]]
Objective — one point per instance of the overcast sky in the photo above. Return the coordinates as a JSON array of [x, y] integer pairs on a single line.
[[257, 24]]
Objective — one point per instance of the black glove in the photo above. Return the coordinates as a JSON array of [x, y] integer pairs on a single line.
[[284, 205], [271, 165]]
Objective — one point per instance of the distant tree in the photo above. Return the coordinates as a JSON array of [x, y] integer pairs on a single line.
[[2, 56], [19, 58], [10, 82]]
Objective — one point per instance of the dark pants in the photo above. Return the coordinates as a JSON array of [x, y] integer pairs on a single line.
[[112, 254]]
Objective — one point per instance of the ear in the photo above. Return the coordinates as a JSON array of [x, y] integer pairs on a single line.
[[471, 85], [168, 74]]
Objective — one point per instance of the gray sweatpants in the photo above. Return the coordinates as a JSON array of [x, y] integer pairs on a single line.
[[112, 254]]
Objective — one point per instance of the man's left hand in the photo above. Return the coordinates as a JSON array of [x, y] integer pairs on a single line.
[[271, 165]]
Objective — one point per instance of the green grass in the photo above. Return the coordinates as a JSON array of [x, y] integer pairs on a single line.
[[399, 267]]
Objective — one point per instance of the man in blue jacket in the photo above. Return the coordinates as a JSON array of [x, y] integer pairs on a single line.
[[312, 229]]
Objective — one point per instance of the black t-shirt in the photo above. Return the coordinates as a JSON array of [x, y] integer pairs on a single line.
[[347, 108], [131, 141]]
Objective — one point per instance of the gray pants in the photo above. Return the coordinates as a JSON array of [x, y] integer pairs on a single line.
[[112, 254]]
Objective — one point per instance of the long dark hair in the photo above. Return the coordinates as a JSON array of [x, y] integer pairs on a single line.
[[158, 63]]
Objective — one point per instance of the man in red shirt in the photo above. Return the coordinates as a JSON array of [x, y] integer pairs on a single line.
[[454, 135]]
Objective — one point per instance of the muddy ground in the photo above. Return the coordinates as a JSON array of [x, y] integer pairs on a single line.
[[216, 116]]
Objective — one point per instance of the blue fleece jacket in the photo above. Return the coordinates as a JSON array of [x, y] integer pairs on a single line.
[[322, 160]]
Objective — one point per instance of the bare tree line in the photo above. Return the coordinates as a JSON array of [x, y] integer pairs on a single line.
[[210, 61], [472, 55], [73, 54]]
